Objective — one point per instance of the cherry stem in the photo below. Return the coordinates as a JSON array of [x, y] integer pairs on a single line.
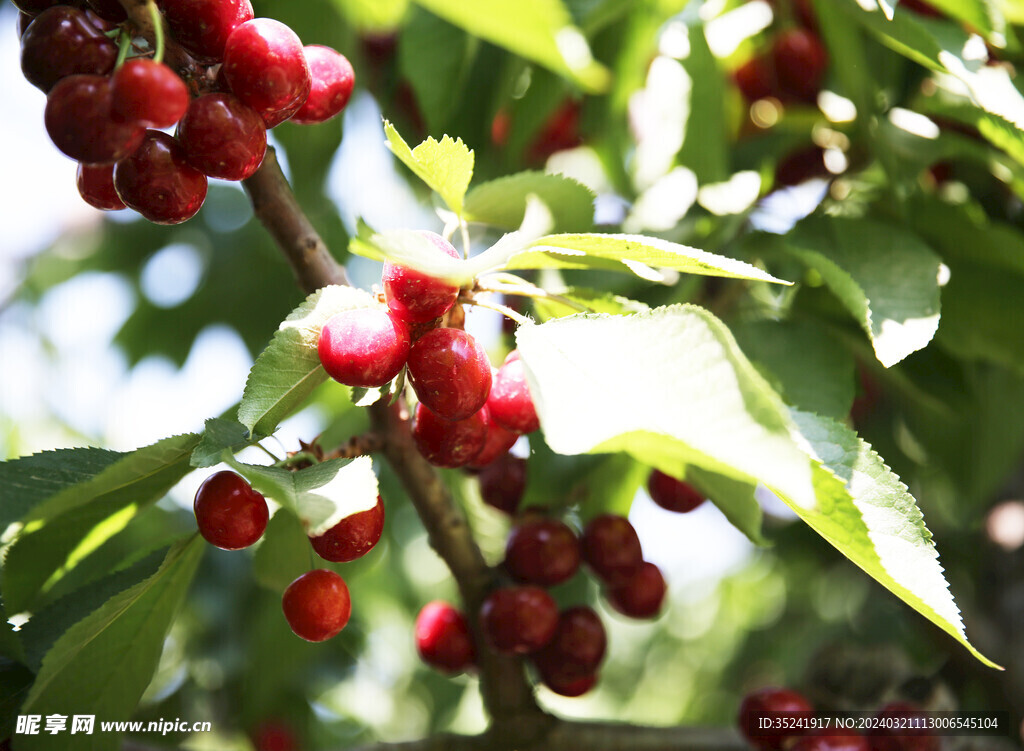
[[269, 453], [124, 43], [523, 288], [464, 230], [496, 306], [158, 31]]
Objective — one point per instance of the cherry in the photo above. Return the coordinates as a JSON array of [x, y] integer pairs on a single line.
[[158, 182], [519, 620], [35, 7], [560, 131], [333, 81], [96, 186], [62, 41], [800, 62], [904, 737], [502, 482], [414, 296], [641, 595], [108, 10], [611, 548], [832, 739], [229, 513], [577, 648], [443, 639], [24, 19], [265, 67], [274, 736], [448, 443], [352, 537], [756, 79], [800, 166], [509, 401], [148, 93], [499, 441], [77, 118], [544, 552], [317, 605], [223, 137], [450, 372], [783, 702], [202, 26], [672, 494], [571, 685], [363, 347]]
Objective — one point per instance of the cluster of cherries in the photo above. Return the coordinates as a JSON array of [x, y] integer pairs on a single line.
[[240, 76], [789, 707], [232, 515], [466, 415], [521, 618]]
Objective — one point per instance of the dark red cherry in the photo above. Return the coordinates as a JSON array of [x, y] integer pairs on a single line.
[[274, 735], [35, 7], [560, 131], [611, 548], [672, 494], [756, 79], [499, 440], [451, 373], [229, 513], [503, 482], [443, 639], [108, 10], [416, 297], [831, 739], [223, 137], [158, 182], [571, 685], [519, 620], [364, 347], [800, 63], [801, 165], [148, 93], [448, 443], [333, 81], [63, 41], [317, 605], [575, 651], [769, 704], [510, 402], [96, 186], [352, 537], [77, 118], [897, 731], [640, 596], [202, 26], [545, 552]]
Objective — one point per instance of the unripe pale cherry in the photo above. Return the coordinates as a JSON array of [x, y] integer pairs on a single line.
[[509, 401], [352, 537], [640, 596], [443, 639], [448, 443], [450, 372], [363, 347], [545, 552], [611, 548], [333, 81], [519, 620], [414, 296], [229, 513], [756, 706], [317, 605], [147, 93], [672, 494]]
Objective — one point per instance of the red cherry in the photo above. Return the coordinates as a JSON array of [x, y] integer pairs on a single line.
[[96, 186], [158, 182], [223, 137], [416, 297], [905, 738], [274, 736], [510, 402], [203, 26], [147, 93], [826, 739], [77, 118], [448, 443], [800, 63], [35, 7], [611, 548], [640, 596], [568, 685], [544, 552], [756, 79], [801, 165], [519, 620], [502, 482], [229, 513], [443, 639], [63, 41], [672, 494], [560, 132], [265, 67], [451, 373], [352, 537], [499, 441], [333, 81], [784, 703], [364, 347], [108, 10], [577, 648], [317, 605]]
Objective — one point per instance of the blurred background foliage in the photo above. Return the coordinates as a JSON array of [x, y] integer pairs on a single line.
[[115, 332]]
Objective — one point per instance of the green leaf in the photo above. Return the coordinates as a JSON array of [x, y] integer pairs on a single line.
[[220, 435], [734, 498], [375, 15], [978, 14], [675, 389], [539, 30], [103, 663], [434, 56], [593, 301], [10, 642], [15, 681], [887, 278], [705, 147], [502, 202], [445, 166], [284, 553], [321, 495], [288, 370]]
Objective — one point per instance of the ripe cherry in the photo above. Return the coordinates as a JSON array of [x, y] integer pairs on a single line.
[[265, 67], [158, 182], [612, 549], [448, 443], [545, 552], [800, 166], [223, 137], [63, 41], [416, 297], [96, 186], [576, 650], [77, 118], [784, 703], [560, 131], [364, 347], [800, 63], [333, 81], [443, 639], [274, 735], [509, 401], [519, 620], [317, 605], [642, 595], [499, 441], [502, 482], [352, 537], [451, 373], [34, 7], [229, 513], [831, 739], [108, 10], [672, 494], [571, 685], [147, 93], [202, 26], [904, 736], [756, 79]]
